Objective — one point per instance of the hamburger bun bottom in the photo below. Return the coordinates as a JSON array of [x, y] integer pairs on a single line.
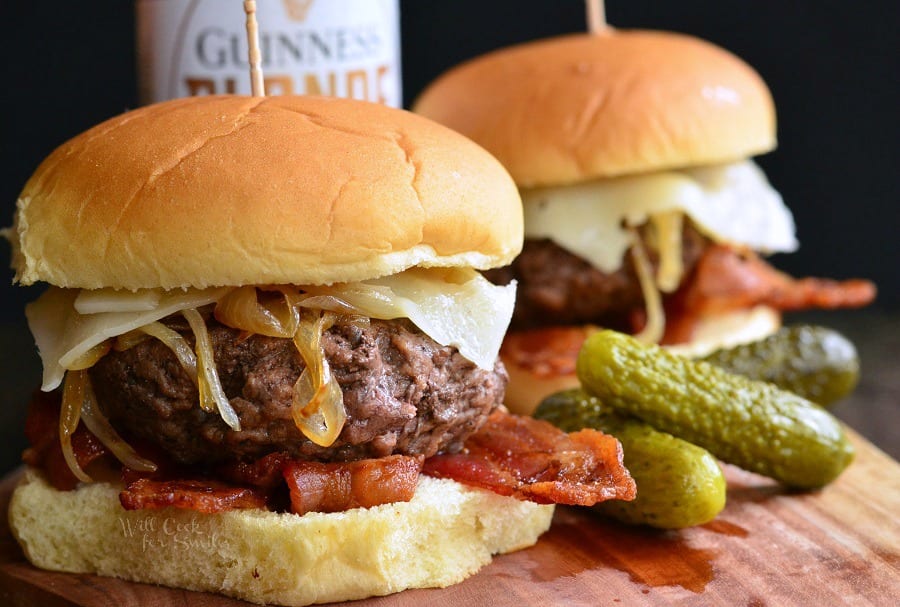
[[443, 535], [531, 380]]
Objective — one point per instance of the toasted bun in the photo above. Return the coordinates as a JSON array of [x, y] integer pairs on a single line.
[[230, 190], [583, 106], [542, 361], [446, 533]]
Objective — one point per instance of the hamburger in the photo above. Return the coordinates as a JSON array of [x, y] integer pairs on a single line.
[[270, 361], [644, 211]]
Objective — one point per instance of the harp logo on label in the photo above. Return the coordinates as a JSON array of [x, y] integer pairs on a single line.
[[297, 9]]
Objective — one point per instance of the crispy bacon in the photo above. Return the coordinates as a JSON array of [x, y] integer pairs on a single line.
[[204, 496], [266, 473], [533, 460], [521, 457], [725, 279], [334, 487], [546, 351], [45, 452]]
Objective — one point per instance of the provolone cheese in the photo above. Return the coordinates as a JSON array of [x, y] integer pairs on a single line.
[[731, 203], [456, 307]]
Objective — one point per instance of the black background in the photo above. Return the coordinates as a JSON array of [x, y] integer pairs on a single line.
[[832, 67]]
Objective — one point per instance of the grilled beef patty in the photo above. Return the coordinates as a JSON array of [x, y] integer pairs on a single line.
[[403, 393], [557, 287]]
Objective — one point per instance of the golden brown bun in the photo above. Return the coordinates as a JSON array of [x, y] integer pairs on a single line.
[[583, 106], [542, 361], [233, 190], [446, 533]]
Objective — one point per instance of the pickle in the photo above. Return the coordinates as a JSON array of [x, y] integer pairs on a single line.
[[678, 484], [752, 424], [815, 362]]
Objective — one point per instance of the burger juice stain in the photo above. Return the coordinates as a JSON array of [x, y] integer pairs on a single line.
[[650, 557]]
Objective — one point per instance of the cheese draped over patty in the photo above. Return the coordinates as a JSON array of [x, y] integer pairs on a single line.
[[730, 203], [455, 307]]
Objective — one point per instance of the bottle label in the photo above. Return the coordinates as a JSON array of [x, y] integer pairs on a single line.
[[342, 48]]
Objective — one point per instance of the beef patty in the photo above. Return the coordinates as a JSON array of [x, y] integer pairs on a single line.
[[403, 393], [557, 287]]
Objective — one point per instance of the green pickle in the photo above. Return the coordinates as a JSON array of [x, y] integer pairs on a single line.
[[815, 362], [678, 484], [752, 424]]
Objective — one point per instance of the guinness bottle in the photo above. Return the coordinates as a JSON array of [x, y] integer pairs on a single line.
[[344, 48]]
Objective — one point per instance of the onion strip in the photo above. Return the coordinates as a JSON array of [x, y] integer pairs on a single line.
[[97, 423], [212, 396], [90, 358], [656, 318], [69, 416], [129, 339], [242, 309], [668, 225], [178, 344], [318, 402]]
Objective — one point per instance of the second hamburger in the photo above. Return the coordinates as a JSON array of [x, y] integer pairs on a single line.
[[643, 210]]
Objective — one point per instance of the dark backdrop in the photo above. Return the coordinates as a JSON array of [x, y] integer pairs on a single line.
[[832, 67]]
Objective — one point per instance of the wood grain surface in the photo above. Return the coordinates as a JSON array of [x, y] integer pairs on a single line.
[[838, 546]]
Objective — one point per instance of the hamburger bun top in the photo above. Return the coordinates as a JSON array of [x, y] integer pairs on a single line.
[[233, 190], [579, 107]]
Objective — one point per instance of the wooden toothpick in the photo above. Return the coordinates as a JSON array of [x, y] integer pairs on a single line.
[[256, 76], [596, 16]]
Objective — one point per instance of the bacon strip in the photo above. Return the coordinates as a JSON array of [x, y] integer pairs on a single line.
[[204, 496], [335, 487], [725, 279], [266, 473], [522, 457], [45, 452], [533, 460], [546, 351]]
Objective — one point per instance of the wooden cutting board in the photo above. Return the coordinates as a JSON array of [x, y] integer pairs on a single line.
[[837, 546]]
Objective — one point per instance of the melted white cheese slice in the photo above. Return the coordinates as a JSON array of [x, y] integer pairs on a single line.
[[456, 307], [731, 203], [63, 334]]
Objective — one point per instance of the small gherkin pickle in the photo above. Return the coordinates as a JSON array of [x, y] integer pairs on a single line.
[[815, 362], [678, 484], [752, 424]]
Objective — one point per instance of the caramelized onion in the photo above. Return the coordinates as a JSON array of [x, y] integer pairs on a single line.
[[97, 423], [177, 344], [212, 396], [69, 416], [90, 358], [129, 339], [332, 303], [275, 317], [668, 226], [318, 403], [374, 301], [656, 318]]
